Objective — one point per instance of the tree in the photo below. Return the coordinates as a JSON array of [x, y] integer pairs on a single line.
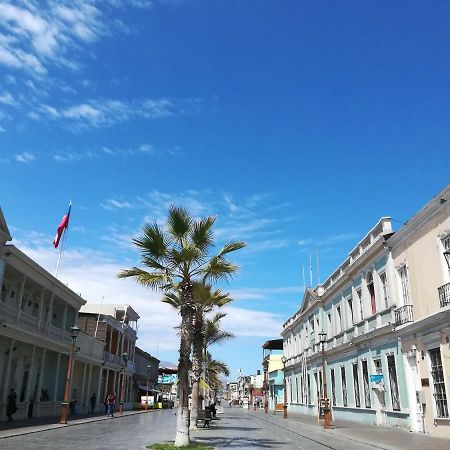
[[215, 368], [174, 258], [206, 299]]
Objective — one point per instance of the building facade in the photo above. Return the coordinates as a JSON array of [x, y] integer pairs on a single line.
[[115, 326], [355, 308], [146, 375], [422, 292], [37, 312]]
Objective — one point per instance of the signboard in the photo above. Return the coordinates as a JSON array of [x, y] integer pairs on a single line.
[[324, 404], [167, 379], [151, 400], [377, 382]]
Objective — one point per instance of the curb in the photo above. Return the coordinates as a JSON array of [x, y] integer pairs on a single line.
[[58, 426]]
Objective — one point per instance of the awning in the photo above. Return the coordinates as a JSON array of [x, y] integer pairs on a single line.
[[203, 385], [144, 388]]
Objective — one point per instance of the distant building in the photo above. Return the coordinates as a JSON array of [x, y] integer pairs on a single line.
[[273, 389], [146, 374], [115, 325], [168, 382]]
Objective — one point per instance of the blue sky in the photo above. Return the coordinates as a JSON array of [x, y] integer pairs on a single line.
[[299, 124]]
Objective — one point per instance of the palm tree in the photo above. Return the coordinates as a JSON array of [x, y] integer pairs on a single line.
[[215, 368], [174, 258], [206, 299]]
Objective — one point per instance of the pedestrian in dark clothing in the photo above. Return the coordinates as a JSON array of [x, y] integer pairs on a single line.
[[105, 402], [213, 409], [11, 406], [111, 403], [93, 401]]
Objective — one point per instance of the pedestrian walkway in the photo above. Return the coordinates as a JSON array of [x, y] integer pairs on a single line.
[[246, 429], [38, 424]]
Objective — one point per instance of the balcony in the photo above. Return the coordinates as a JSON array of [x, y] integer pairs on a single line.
[[444, 295], [403, 315]]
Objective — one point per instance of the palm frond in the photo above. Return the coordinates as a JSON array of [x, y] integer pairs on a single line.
[[201, 233], [149, 279], [218, 269], [153, 242], [178, 222], [231, 247]]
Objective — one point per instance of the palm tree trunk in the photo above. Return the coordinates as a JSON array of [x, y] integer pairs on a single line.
[[187, 311], [198, 341]]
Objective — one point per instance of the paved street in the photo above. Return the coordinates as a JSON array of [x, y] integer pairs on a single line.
[[237, 429]]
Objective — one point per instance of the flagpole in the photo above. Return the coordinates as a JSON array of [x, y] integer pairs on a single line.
[[60, 252]]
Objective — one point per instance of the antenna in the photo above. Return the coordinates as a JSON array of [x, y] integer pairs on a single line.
[[317, 260], [310, 270], [304, 282], [98, 317]]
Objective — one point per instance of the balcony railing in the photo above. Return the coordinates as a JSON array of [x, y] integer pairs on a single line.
[[404, 314], [444, 295]]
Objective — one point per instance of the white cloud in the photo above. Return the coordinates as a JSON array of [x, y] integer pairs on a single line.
[[7, 99], [263, 293], [246, 322], [25, 157], [116, 204]]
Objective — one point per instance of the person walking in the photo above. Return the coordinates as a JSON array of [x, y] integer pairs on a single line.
[[230, 403], [11, 406], [111, 403], [93, 401], [105, 402]]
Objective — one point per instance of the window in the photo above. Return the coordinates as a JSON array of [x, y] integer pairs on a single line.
[[302, 391], [316, 380], [366, 384], [350, 308], [344, 386], [371, 289], [320, 384], [290, 388], [338, 320], [308, 393], [393, 383], [403, 274], [446, 248], [356, 385], [333, 387], [330, 326], [384, 287], [296, 389], [437, 374], [360, 303]]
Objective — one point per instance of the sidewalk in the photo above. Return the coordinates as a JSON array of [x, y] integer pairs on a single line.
[[36, 425], [378, 437]]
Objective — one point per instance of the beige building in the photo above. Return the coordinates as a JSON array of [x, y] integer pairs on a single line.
[[422, 293], [37, 312]]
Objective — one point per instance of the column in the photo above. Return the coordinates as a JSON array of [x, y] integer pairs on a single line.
[[55, 389], [83, 389], [20, 297], [87, 400], [107, 383], [30, 377], [39, 387], [64, 320], [7, 373], [122, 339], [41, 308], [110, 337], [119, 337], [50, 312], [99, 386], [114, 386]]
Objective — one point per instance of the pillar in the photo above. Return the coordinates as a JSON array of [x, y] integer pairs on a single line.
[[99, 386], [20, 297], [88, 394], [114, 386], [6, 383], [110, 337], [30, 377], [64, 320], [83, 389], [2, 271], [50, 312], [39, 386], [41, 308], [55, 389]]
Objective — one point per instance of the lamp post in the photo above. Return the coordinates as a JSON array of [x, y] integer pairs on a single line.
[[283, 360], [326, 406], [65, 404], [447, 258], [122, 388], [148, 376]]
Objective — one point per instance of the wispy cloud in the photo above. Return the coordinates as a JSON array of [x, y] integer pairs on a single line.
[[7, 99], [25, 157], [107, 112], [263, 293], [115, 204]]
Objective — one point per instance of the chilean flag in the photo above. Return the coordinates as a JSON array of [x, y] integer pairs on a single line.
[[62, 226]]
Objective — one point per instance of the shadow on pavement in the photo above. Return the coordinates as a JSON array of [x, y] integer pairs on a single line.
[[239, 442]]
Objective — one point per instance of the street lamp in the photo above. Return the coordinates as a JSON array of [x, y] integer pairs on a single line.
[[283, 360], [447, 258], [326, 405], [148, 376], [122, 387], [65, 404]]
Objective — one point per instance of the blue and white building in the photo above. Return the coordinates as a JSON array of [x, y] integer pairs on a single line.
[[355, 308]]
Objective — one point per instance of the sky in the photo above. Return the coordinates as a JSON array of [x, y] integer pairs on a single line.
[[297, 124]]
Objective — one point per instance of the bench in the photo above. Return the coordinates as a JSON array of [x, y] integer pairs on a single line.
[[278, 407], [205, 416]]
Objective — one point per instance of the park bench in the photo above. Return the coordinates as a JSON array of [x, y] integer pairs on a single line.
[[278, 407], [205, 416]]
